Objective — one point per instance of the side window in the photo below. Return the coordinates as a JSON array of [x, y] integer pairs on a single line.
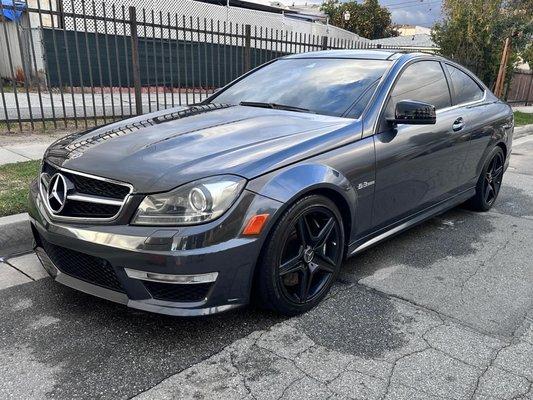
[[465, 88], [421, 81]]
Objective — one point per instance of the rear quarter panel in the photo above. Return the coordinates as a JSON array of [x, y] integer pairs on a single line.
[[493, 124]]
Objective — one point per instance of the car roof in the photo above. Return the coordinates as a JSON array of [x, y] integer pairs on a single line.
[[355, 54]]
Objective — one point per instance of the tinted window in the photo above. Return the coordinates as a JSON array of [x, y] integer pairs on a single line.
[[324, 86], [422, 81], [465, 88], [360, 104]]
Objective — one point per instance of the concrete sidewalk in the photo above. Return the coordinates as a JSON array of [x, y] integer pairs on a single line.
[[24, 151], [524, 109]]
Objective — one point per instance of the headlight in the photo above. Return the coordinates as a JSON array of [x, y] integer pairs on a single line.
[[196, 202]]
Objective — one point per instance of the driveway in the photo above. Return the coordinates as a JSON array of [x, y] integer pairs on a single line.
[[443, 311]]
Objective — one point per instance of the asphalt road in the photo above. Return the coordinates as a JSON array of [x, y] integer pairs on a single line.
[[444, 311]]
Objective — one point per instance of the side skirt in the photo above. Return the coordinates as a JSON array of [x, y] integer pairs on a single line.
[[408, 222]]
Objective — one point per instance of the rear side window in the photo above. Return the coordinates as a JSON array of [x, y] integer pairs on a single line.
[[423, 81], [465, 88]]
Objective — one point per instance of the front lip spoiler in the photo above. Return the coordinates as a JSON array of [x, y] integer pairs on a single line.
[[150, 305]]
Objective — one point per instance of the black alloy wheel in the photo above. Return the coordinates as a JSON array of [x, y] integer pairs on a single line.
[[489, 182], [303, 256], [493, 179]]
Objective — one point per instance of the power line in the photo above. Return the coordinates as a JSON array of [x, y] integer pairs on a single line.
[[402, 2], [415, 5]]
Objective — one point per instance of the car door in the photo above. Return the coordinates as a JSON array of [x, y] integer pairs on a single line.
[[416, 165], [468, 99]]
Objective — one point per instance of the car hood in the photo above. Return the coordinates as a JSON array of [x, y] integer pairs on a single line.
[[159, 151]]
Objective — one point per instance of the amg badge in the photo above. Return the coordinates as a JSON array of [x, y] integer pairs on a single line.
[[365, 184]]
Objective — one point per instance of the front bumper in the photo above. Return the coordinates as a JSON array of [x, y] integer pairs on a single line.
[[211, 265]]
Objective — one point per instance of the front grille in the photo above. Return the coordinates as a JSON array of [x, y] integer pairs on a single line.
[[97, 187], [84, 185], [82, 209], [91, 269], [177, 292]]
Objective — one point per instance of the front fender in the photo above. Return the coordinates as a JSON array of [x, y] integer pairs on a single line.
[[295, 181]]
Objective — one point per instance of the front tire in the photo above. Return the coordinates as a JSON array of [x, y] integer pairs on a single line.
[[489, 182], [302, 257]]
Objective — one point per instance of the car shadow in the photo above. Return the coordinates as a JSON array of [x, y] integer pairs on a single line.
[[452, 234]]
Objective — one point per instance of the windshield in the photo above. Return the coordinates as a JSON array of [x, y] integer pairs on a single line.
[[321, 85]]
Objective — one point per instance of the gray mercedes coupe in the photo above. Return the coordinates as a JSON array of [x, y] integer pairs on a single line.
[[262, 190]]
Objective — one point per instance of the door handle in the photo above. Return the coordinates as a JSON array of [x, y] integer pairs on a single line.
[[458, 124]]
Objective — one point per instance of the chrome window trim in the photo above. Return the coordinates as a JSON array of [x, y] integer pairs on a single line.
[[469, 104], [56, 217]]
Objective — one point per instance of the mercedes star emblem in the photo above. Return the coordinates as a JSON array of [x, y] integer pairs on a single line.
[[57, 193]]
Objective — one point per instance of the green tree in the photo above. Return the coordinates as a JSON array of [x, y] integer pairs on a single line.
[[473, 33], [527, 55], [367, 19]]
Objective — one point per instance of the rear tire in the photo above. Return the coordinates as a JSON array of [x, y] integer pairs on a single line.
[[489, 182], [302, 257]]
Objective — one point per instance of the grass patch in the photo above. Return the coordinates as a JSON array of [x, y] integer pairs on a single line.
[[522, 118], [15, 181]]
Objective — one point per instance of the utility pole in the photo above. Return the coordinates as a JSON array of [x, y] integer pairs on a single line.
[[498, 86]]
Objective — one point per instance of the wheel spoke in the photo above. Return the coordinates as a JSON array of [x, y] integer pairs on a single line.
[[325, 258], [495, 188], [491, 165], [305, 284], [496, 174], [303, 231], [488, 191], [292, 265], [324, 233], [324, 264]]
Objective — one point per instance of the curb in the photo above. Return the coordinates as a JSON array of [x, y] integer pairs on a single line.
[[15, 235], [521, 131]]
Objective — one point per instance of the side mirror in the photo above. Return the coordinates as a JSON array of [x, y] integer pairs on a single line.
[[414, 113]]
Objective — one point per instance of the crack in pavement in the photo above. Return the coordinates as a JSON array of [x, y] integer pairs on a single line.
[[483, 263], [496, 353]]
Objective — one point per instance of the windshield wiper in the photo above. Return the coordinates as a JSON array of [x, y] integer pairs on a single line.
[[274, 106]]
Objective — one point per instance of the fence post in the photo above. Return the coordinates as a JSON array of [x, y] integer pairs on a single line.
[[529, 89], [247, 51], [324, 42], [135, 60]]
